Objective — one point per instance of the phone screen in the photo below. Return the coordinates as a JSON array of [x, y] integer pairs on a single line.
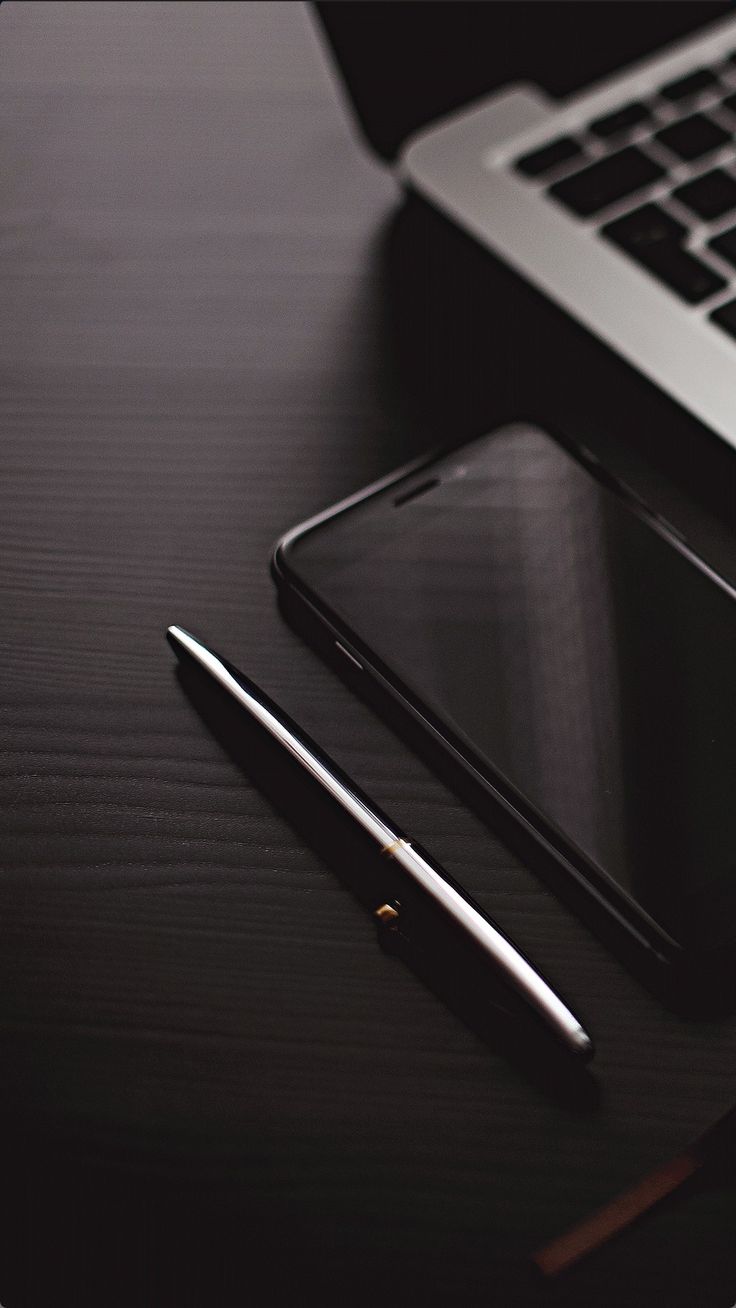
[[565, 643]]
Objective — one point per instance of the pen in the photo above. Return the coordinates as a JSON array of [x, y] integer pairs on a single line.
[[519, 974]]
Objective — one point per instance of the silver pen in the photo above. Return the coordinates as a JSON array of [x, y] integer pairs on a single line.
[[506, 959]]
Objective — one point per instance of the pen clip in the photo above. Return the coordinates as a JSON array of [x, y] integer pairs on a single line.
[[390, 919]]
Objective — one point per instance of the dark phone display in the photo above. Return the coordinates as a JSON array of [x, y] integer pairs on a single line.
[[571, 647]]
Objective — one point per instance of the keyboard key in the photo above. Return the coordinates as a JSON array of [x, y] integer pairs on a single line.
[[645, 228], [694, 84], [693, 137], [543, 161], [725, 245], [687, 276], [730, 103], [654, 239], [710, 195], [621, 120], [607, 180], [725, 317]]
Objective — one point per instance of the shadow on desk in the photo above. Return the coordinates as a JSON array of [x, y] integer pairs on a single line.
[[81, 1229]]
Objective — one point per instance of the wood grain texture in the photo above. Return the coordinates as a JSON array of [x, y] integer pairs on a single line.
[[216, 1089]]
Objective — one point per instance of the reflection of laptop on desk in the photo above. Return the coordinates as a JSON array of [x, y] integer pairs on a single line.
[[618, 202]]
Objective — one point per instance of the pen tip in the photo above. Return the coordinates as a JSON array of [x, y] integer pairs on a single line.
[[174, 636], [184, 644], [583, 1045]]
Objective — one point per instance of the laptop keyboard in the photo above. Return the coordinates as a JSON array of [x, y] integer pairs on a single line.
[[658, 178]]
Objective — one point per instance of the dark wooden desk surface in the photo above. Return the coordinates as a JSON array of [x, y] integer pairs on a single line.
[[216, 1089]]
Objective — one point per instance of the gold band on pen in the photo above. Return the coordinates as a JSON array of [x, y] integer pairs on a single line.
[[394, 845]]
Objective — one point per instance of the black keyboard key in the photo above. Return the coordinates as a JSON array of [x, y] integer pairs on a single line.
[[654, 239], [730, 103], [549, 156], [687, 276], [621, 120], [710, 195], [725, 245], [725, 317], [693, 137], [645, 229], [694, 84], [607, 180]]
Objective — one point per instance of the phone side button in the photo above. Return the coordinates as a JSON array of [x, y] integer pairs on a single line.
[[348, 655]]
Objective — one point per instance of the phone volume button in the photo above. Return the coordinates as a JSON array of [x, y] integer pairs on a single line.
[[348, 655], [671, 528]]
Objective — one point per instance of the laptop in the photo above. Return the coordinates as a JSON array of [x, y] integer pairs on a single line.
[[617, 199]]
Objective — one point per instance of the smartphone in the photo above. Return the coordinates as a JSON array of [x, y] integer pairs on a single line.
[[567, 651]]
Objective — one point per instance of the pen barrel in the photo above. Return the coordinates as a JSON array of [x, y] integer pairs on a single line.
[[348, 848], [357, 839]]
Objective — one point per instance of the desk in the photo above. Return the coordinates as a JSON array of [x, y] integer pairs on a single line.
[[216, 1089]]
